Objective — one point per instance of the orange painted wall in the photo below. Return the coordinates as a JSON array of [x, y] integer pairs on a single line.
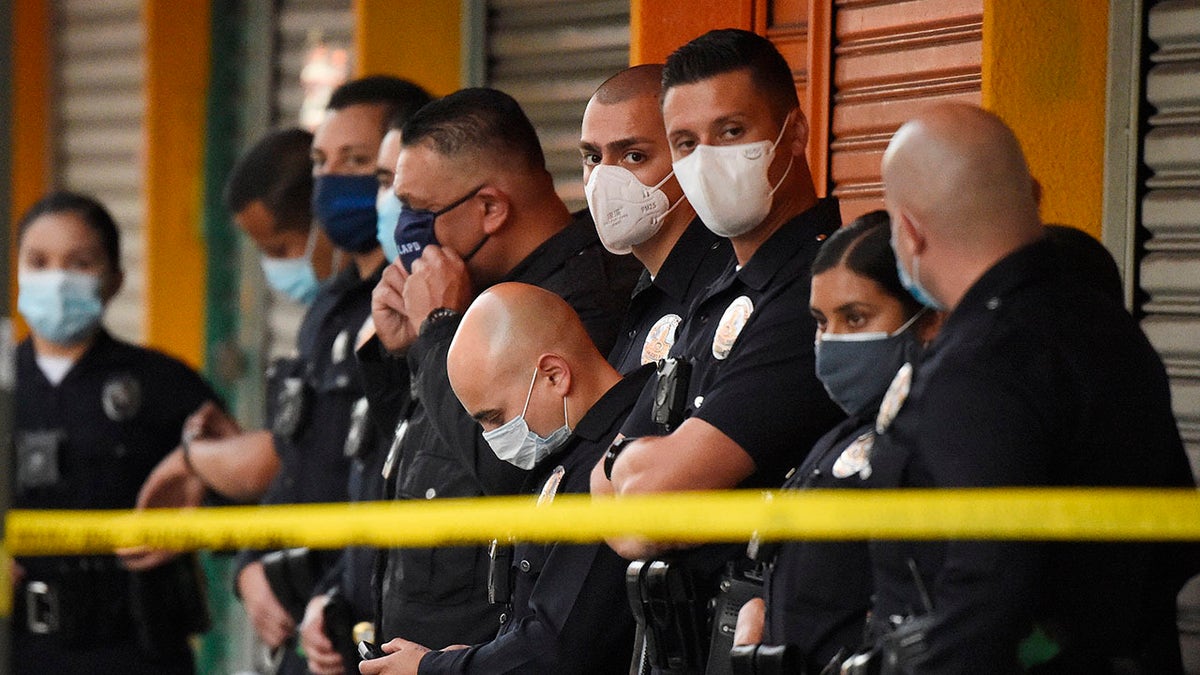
[[1044, 71], [31, 158], [419, 41], [177, 66], [657, 28]]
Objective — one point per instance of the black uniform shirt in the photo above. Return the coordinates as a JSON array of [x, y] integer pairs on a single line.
[[119, 411], [818, 593], [313, 462], [1035, 379], [89, 443], [658, 305], [749, 338], [437, 597], [569, 612]]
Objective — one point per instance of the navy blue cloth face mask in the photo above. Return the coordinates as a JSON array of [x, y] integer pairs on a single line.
[[345, 206], [414, 231]]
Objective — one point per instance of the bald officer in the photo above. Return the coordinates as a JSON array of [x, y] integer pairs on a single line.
[[1037, 378], [524, 368]]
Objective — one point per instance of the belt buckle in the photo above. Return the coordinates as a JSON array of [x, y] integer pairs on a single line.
[[41, 608]]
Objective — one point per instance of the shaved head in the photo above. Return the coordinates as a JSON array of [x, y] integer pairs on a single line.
[[644, 80], [960, 167], [960, 198], [509, 332]]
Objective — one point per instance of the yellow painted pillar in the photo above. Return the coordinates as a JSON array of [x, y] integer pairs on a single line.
[[1044, 69], [418, 40], [30, 133], [177, 69]]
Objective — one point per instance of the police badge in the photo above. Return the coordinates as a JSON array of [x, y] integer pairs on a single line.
[[893, 400], [856, 458], [660, 339], [121, 397], [732, 322]]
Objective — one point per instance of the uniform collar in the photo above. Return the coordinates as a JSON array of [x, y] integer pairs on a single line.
[[613, 405], [679, 270], [1013, 271], [545, 259], [806, 229]]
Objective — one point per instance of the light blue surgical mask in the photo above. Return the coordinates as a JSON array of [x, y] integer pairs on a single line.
[[294, 277], [517, 444], [61, 306], [387, 209], [912, 283]]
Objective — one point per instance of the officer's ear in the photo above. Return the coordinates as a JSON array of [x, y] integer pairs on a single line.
[[555, 369], [800, 139], [496, 207], [112, 284], [909, 233]]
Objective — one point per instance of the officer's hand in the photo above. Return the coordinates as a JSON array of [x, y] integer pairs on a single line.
[[749, 629], [403, 657], [139, 558], [209, 421], [171, 485], [387, 310], [322, 658], [270, 620], [439, 279]]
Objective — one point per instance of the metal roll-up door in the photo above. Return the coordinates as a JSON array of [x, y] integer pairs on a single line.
[[99, 109], [300, 25], [550, 55], [1169, 272], [890, 60]]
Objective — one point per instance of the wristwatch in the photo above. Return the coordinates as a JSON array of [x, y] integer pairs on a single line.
[[610, 455], [435, 317]]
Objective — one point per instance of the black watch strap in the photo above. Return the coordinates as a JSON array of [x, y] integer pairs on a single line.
[[610, 455], [435, 317]]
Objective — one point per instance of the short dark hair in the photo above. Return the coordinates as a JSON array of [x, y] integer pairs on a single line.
[[89, 210], [476, 120], [865, 248], [730, 49], [400, 98], [276, 170]]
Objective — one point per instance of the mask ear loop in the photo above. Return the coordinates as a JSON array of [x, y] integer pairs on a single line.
[[671, 208], [791, 158], [909, 324], [529, 396]]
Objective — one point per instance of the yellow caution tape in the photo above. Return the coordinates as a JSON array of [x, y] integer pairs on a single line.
[[732, 516], [5, 583]]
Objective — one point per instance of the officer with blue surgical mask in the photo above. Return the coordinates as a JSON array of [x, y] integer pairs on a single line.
[[93, 415], [269, 194]]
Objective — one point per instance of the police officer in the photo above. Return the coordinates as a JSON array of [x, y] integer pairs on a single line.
[[638, 207], [269, 194], [524, 366], [93, 416], [1037, 378], [868, 328], [319, 412], [479, 207], [737, 140]]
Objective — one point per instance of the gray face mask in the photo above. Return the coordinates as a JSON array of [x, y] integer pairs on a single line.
[[517, 444], [856, 368]]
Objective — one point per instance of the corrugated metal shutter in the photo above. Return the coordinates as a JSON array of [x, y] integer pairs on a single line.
[[99, 108], [551, 55], [299, 25], [1170, 269], [890, 60]]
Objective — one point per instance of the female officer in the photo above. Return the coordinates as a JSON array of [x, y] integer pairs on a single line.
[[93, 416], [868, 327]]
